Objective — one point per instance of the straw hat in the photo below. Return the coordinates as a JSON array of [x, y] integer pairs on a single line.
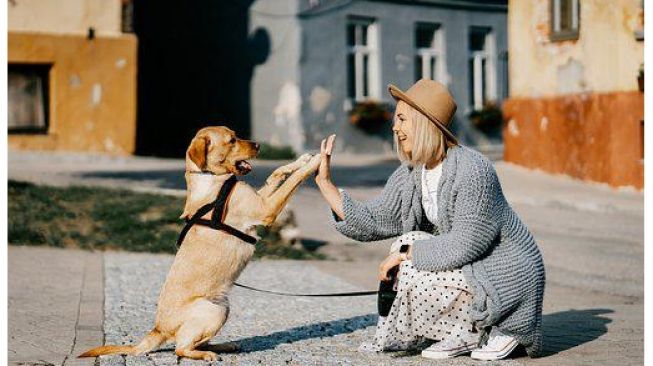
[[433, 100]]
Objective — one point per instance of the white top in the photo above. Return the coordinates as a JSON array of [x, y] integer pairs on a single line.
[[430, 180]]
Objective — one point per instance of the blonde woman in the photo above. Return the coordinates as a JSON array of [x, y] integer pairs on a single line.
[[470, 274]]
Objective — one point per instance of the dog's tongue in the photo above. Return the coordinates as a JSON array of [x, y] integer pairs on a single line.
[[244, 166]]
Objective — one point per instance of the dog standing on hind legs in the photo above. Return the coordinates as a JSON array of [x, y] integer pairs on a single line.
[[193, 304]]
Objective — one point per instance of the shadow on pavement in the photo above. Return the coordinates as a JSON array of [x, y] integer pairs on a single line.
[[373, 175], [317, 330], [567, 329]]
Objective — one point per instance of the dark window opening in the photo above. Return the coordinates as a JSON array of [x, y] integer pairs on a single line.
[[28, 98], [565, 19]]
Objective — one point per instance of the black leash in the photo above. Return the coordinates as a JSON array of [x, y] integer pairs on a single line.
[[337, 294], [217, 217], [219, 208]]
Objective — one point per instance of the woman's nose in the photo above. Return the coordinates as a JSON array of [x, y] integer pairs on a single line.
[[395, 126]]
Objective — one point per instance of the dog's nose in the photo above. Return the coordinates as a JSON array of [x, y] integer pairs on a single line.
[[257, 146]]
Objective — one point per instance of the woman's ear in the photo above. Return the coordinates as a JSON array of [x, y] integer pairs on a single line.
[[197, 151]]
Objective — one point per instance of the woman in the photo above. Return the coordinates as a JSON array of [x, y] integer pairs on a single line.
[[472, 276]]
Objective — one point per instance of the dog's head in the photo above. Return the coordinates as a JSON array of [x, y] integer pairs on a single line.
[[219, 151]]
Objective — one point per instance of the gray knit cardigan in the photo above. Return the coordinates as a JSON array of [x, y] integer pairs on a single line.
[[476, 230]]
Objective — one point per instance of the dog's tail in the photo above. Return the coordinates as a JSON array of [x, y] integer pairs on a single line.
[[151, 341]]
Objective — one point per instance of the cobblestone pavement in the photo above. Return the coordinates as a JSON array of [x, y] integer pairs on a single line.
[[270, 329]]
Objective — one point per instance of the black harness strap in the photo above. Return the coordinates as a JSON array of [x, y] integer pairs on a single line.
[[217, 217]]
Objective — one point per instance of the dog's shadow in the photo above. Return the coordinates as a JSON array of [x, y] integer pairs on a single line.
[[317, 330]]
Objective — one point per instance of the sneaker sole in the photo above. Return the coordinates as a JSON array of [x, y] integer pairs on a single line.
[[487, 356], [442, 355]]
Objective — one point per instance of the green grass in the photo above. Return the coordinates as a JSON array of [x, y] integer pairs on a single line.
[[270, 152], [100, 218]]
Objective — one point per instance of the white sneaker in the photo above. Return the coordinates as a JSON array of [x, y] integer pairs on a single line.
[[499, 346], [447, 348]]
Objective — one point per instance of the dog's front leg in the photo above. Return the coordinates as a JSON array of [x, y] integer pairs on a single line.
[[274, 203], [277, 177]]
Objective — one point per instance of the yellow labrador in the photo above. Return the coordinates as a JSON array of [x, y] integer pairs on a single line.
[[193, 305]]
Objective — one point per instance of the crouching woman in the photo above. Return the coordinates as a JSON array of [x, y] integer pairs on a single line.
[[470, 276]]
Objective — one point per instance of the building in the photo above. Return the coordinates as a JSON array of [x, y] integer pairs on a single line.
[[326, 58], [71, 77], [575, 107]]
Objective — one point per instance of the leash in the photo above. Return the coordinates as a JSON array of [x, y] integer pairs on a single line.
[[217, 223], [336, 294]]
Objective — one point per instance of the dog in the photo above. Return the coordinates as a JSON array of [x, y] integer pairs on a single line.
[[193, 304]]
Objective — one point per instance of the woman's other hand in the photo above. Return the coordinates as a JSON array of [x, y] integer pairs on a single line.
[[324, 171], [393, 260]]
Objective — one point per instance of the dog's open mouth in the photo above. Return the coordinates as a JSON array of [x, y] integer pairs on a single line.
[[243, 167]]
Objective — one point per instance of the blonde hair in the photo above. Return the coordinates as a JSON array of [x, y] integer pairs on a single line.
[[428, 141]]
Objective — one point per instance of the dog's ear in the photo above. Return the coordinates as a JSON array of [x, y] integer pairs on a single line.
[[197, 150]]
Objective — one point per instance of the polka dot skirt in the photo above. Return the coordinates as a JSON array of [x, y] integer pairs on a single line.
[[429, 305]]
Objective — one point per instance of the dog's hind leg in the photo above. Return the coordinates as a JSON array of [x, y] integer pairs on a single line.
[[205, 320], [280, 174]]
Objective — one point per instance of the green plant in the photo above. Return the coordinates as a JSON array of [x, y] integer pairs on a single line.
[[370, 116], [271, 152], [488, 118]]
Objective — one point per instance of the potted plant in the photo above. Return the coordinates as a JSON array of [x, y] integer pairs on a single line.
[[488, 118], [370, 116]]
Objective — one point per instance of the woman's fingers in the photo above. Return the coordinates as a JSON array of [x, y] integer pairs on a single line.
[[329, 144]]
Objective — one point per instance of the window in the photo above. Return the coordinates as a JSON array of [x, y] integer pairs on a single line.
[[28, 98], [482, 70], [429, 58], [564, 19], [362, 68]]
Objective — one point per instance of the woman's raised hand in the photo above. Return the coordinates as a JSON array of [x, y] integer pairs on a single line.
[[324, 171]]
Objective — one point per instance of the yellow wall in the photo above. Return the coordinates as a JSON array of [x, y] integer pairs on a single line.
[[65, 16], [605, 58], [92, 91]]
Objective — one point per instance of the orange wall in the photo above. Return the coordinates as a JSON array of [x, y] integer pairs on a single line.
[[92, 91], [592, 136]]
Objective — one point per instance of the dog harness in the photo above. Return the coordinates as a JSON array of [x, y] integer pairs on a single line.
[[219, 207]]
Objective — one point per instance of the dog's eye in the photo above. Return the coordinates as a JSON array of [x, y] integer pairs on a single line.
[[233, 140]]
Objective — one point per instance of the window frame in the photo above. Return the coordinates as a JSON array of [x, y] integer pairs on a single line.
[[370, 49], [557, 34], [44, 71], [488, 54], [437, 50]]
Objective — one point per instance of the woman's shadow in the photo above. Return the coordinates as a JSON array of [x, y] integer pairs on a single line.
[[571, 328]]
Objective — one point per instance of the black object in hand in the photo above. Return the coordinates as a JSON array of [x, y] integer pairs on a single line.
[[387, 293]]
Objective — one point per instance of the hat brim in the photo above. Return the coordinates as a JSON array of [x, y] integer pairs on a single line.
[[399, 95]]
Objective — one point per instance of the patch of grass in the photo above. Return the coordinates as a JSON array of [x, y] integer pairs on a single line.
[[270, 152], [100, 218]]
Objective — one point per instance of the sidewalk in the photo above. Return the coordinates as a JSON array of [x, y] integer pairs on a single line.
[[591, 237]]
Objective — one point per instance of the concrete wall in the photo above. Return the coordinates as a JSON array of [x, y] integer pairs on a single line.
[[92, 91], [276, 98], [65, 16], [574, 105], [324, 69]]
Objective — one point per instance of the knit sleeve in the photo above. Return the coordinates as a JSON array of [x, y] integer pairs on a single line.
[[376, 219], [475, 224]]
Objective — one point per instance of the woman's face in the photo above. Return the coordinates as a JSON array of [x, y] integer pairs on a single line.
[[403, 127]]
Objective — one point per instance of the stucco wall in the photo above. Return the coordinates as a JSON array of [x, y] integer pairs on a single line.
[[65, 16], [275, 94], [92, 91], [605, 58], [597, 137]]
